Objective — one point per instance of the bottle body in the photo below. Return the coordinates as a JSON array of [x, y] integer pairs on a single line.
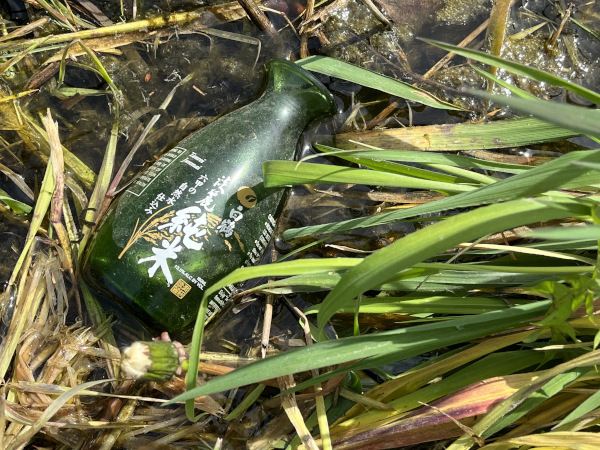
[[201, 210]]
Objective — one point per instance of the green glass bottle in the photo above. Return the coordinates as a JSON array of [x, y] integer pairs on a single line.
[[201, 210]]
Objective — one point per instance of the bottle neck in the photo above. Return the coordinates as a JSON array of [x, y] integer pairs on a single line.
[[298, 89]]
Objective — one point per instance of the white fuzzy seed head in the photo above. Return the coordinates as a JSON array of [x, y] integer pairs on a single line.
[[136, 360]]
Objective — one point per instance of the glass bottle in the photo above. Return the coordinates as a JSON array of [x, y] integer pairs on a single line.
[[201, 210]]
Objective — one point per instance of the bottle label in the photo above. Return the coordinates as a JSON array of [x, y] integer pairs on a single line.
[[178, 225]]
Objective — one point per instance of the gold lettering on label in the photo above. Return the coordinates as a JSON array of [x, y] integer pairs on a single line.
[[247, 197], [181, 288]]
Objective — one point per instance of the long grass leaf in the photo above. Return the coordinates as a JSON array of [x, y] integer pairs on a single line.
[[510, 87], [425, 158], [17, 206], [461, 136], [492, 365], [556, 174], [548, 390], [287, 173], [425, 304], [364, 77], [380, 164], [397, 344], [580, 440], [101, 186], [589, 404], [587, 232], [39, 211], [436, 282], [576, 118], [426, 423]]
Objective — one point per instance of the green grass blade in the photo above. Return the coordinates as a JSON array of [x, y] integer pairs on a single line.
[[551, 388], [397, 344], [453, 173], [425, 158], [101, 186], [462, 136], [465, 174], [17, 206], [519, 69], [411, 304], [437, 282], [510, 87], [381, 165], [566, 233], [589, 404], [288, 173], [576, 118], [345, 71], [556, 174], [595, 166], [39, 212]]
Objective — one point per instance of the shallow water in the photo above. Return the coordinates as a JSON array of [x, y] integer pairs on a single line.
[[225, 75]]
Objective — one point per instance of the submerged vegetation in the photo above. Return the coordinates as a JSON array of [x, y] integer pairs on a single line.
[[443, 287]]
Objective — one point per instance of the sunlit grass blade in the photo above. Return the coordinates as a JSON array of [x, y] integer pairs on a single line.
[[581, 440], [349, 72], [118, 95], [566, 233], [551, 388], [394, 345], [591, 165], [433, 282], [410, 381], [556, 174], [287, 173], [510, 87], [412, 304], [519, 69], [17, 206], [76, 165], [425, 158], [101, 186], [41, 207], [453, 174], [15, 59], [461, 136], [589, 404], [386, 165], [152, 23], [576, 118]]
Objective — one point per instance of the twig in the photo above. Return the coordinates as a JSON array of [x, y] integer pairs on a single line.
[[556, 35], [146, 24], [466, 41], [377, 13], [310, 7], [25, 29], [259, 18]]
